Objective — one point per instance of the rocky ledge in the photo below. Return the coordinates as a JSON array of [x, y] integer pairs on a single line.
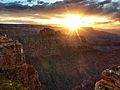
[[110, 79], [15, 74]]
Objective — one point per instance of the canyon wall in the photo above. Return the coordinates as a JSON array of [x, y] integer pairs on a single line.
[[13, 65]]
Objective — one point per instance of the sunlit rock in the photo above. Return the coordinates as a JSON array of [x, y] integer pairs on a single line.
[[110, 79]]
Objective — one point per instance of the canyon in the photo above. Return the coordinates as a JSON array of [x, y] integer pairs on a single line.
[[66, 62]]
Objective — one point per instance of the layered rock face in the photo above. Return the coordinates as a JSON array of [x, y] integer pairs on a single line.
[[13, 66], [11, 53], [110, 79]]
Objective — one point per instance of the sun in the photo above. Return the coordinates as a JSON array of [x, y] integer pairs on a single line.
[[72, 22]]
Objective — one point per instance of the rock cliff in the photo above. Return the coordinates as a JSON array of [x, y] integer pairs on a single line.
[[110, 79], [13, 66]]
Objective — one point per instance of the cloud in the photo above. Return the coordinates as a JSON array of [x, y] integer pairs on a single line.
[[108, 8]]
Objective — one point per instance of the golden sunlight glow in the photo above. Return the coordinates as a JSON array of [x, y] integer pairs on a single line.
[[70, 21], [76, 21]]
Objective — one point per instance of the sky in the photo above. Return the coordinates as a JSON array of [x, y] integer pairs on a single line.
[[44, 11]]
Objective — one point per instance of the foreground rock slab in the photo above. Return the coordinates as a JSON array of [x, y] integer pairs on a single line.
[[110, 79]]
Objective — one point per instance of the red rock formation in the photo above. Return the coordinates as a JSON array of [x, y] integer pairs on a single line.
[[27, 75], [88, 84], [110, 79], [12, 60], [11, 52], [78, 87]]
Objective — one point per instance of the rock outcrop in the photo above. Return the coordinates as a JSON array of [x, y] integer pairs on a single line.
[[110, 79], [13, 66], [11, 53]]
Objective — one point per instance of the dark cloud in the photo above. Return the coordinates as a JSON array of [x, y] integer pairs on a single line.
[[105, 2], [17, 6]]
